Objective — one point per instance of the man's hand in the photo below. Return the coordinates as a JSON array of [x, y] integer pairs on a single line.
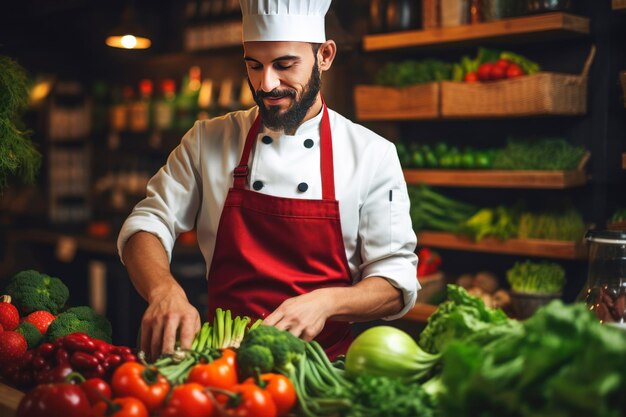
[[167, 315], [303, 316]]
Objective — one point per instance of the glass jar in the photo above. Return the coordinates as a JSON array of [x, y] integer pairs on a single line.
[[605, 290]]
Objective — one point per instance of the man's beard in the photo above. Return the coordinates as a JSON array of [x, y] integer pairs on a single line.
[[291, 119]]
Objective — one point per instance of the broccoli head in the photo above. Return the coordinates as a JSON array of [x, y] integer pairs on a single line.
[[32, 290], [31, 334], [267, 348], [80, 319]]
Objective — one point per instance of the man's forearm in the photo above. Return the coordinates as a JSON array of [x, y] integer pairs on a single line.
[[370, 299], [148, 266]]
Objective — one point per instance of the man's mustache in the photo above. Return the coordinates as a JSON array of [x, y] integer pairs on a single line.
[[275, 94]]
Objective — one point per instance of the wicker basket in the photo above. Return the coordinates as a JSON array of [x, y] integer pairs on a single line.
[[391, 103], [544, 93]]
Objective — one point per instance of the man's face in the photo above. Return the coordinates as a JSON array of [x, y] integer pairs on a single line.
[[284, 79]]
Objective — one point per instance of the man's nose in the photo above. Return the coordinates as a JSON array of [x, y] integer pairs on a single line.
[[270, 80]]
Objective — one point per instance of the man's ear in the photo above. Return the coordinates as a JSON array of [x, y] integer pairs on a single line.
[[326, 54]]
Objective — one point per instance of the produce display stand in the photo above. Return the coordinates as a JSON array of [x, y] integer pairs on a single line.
[[374, 102], [538, 27], [529, 247], [496, 178], [619, 5], [9, 400]]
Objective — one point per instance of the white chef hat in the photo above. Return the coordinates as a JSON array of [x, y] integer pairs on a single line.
[[284, 20]]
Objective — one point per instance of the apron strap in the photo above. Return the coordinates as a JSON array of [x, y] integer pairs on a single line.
[[242, 170]]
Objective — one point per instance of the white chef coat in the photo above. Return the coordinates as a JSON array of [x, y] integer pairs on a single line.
[[190, 189]]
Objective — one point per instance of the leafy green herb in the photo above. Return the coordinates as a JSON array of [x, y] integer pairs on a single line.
[[536, 277], [379, 396], [543, 154], [18, 156], [411, 72]]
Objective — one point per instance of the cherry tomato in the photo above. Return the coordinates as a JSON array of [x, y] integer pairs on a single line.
[[280, 389], [470, 77], [133, 379], [96, 390], [248, 400], [120, 407], [189, 400], [55, 400], [514, 70], [217, 374], [229, 356]]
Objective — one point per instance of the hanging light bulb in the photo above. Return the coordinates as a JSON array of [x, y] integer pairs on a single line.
[[128, 34]]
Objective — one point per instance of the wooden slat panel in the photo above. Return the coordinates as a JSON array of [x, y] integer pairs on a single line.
[[530, 247], [374, 102], [496, 178], [547, 25]]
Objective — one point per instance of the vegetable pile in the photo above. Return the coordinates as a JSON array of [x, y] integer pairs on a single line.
[[413, 72], [431, 210]]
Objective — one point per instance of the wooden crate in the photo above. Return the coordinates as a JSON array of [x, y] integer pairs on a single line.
[[544, 93], [390, 103]]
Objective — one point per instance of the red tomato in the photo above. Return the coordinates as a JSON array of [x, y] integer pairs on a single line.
[[470, 77], [503, 63], [189, 400], [133, 379], [55, 400], [96, 390], [484, 71], [248, 400], [120, 407], [497, 73], [514, 70], [217, 374], [280, 389], [229, 356]]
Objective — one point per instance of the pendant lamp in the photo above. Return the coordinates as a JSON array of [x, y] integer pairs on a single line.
[[128, 34]]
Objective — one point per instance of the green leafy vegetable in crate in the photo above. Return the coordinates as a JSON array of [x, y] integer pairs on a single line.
[[544, 154], [433, 211], [536, 277], [411, 72], [565, 224]]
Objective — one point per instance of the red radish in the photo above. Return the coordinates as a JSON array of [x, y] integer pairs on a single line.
[[9, 316], [40, 319], [12, 346]]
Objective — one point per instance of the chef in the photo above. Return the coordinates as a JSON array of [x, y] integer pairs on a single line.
[[302, 216]]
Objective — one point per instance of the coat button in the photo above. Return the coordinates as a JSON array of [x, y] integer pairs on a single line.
[[302, 187], [309, 143], [257, 185], [266, 140]]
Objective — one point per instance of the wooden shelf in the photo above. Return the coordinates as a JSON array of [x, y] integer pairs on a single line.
[[421, 312], [530, 247], [619, 5], [496, 178], [624, 160], [538, 27]]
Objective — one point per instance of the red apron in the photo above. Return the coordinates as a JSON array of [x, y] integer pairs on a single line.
[[269, 249]]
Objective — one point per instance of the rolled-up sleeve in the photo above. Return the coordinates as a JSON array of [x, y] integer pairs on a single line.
[[386, 232], [172, 197]]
